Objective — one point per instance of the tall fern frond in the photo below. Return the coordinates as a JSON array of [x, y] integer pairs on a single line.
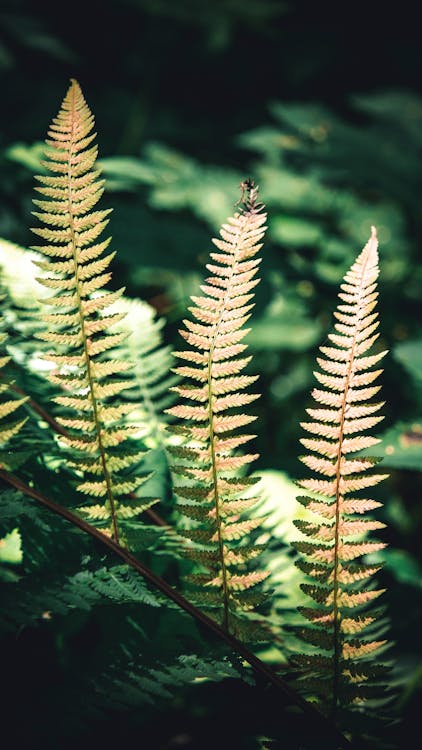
[[77, 269], [343, 625], [218, 495]]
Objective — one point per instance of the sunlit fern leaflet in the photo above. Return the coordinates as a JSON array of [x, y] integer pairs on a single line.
[[10, 422], [343, 624], [213, 391], [99, 442]]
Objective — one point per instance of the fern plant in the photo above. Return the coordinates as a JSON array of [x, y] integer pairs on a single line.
[[99, 390], [100, 449], [341, 624], [217, 497]]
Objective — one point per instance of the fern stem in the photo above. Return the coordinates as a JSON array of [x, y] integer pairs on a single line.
[[322, 725], [217, 501], [90, 377], [336, 610], [35, 406], [336, 587]]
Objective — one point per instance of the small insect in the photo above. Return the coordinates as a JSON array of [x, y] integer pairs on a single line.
[[249, 196], [248, 188]]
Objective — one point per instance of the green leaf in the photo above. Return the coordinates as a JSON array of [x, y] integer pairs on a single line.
[[29, 156], [290, 231], [409, 354], [11, 548], [401, 446], [284, 325]]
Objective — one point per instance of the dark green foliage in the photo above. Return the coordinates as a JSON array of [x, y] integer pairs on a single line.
[[129, 664]]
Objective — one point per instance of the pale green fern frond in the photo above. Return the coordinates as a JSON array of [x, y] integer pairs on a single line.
[[217, 494], [153, 380], [342, 625], [77, 271]]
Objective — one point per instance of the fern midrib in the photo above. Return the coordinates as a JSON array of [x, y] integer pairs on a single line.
[[90, 377], [336, 608], [212, 448]]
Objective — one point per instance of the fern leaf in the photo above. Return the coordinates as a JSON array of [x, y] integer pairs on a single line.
[[77, 270], [212, 394], [9, 403], [335, 540]]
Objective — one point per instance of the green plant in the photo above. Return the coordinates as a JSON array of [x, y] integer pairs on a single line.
[[97, 438], [335, 546], [216, 497], [92, 447]]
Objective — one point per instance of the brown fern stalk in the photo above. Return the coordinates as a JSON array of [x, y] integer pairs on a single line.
[[337, 531], [215, 499]]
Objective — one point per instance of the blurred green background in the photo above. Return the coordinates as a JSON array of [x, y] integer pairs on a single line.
[[320, 104]]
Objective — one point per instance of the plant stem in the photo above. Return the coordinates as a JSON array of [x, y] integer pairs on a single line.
[[35, 406], [95, 410], [337, 538], [217, 499]]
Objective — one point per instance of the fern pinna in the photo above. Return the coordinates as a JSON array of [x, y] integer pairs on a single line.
[[215, 498], [78, 271], [9, 403], [341, 624]]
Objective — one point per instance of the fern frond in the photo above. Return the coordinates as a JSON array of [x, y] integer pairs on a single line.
[[82, 329], [211, 397], [162, 681], [82, 591], [153, 383], [335, 536]]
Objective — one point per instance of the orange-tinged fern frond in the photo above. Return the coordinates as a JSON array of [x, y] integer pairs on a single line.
[[335, 536], [213, 392], [77, 271]]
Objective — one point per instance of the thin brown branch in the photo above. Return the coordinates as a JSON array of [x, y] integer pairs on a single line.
[[330, 731], [156, 519], [35, 406]]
